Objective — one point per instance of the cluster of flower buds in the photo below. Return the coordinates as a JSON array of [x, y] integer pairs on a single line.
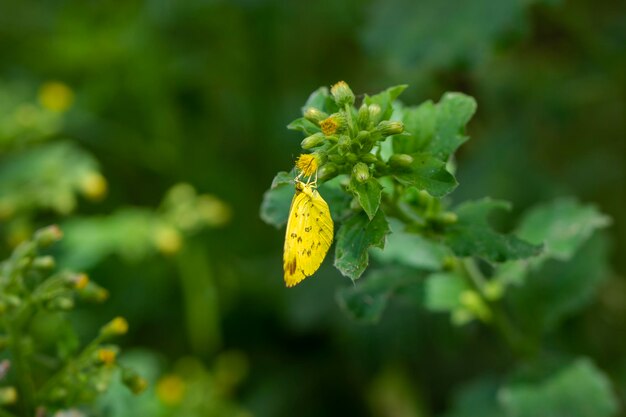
[[29, 290], [347, 138]]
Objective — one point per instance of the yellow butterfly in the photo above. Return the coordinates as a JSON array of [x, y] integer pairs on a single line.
[[309, 233]]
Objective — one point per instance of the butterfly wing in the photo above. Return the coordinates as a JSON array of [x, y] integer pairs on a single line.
[[308, 237]]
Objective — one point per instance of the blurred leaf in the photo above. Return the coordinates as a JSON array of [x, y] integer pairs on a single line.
[[578, 390], [368, 193], [305, 126], [436, 128], [355, 236], [277, 200], [472, 235], [562, 226], [428, 173], [443, 291], [366, 300], [411, 249], [476, 399], [385, 100], [565, 287], [321, 99]]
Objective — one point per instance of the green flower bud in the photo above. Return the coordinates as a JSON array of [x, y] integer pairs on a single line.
[[342, 94], [327, 171], [389, 128], [116, 327], [314, 115], [44, 262], [400, 160], [48, 235], [61, 303], [472, 301], [374, 112], [133, 381], [313, 141], [363, 117], [369, 158], [344, 144], [448, 218], [8, 395], [494, 290], [363, 136], [91, 292], [361, 172]]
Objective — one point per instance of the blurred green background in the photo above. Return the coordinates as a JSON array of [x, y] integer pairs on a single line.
[[154, 127]]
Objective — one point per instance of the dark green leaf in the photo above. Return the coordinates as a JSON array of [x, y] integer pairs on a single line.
[[304, 125], [428, 173], [565, 287], [562, 226], [472, 235], [368, 193], [436, 129], [578, 390], [355, 237], [476, 399], [385, 100], [411, 250], [277, 200], [317, 99], [367, 300]]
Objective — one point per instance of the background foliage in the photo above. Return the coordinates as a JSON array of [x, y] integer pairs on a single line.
[[149, 131]]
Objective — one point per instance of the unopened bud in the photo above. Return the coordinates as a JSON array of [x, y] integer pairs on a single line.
[[400, 160], [61, 303], [8, 395], [327, 171], [313, 141], [369, 158], [363, 117], [48, 235], [314, 115], [93, 186], [472, 301], [116, 327], [133, 381], [363, 136], [92, 292], [448, 218], [494, 290], [344, 143], [374, 112], [44, 262], [361, 172], [342, 94], [389, 128], [106, 355]]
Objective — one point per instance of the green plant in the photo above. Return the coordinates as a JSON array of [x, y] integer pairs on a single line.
[[44, 368], [387, 170]]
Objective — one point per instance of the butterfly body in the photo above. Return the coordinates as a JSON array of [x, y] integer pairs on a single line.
[[308, 236]]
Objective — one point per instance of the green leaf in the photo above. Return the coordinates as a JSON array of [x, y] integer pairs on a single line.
[[368, 193], [355, 237], [317, 99], [277, 200], [577, 390], [443, 291], [436, 129], [385, 100], [476, 399], [562, 226], [304, 125], [411, 249], [366, 301], [428, 173], [472, 235], [565, 287]]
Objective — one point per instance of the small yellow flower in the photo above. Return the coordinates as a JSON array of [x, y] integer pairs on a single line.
[[170, 389], [107, 356], [331, 124], [81, 281], [168, 240], [93, 186], [307, 164], [8, 395], [56, 96]]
